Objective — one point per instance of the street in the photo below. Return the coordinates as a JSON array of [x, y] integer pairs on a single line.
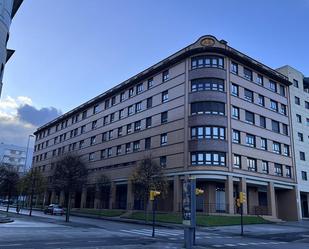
[[46, 231]]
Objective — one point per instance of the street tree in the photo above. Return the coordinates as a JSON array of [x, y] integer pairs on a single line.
[[33, 183], [9, 179], [69, 176], [147, 176]]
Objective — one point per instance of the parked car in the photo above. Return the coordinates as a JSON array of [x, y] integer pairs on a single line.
[[54, 209]]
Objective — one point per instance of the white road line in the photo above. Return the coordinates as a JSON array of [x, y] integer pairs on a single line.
[[161, 232], [242, 244], [217, 245], [56, 243], [229, 244], [136, 232], [11, 245]]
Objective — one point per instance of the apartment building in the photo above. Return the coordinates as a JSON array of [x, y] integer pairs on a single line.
[[8, 9], [208, 111], [299, 95]]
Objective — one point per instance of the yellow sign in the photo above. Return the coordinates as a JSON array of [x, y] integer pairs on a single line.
[[208, 42], [153, 194]]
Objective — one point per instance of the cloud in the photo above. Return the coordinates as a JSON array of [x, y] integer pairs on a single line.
[[19, 118]]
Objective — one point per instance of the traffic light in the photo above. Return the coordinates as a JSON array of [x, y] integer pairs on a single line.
[[199, 191], [237, 202], [242, 197], [153, 194]]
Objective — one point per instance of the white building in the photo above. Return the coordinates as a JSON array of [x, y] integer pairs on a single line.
[[299, 95], [8, 9], [15, 156]]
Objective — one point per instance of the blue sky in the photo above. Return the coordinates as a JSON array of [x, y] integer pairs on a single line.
[[70, 51]]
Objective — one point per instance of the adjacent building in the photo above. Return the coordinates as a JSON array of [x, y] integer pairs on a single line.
[[15, 156], [207, 111], [299, 95], [8, 9]]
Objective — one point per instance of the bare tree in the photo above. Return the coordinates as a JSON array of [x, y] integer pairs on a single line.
[[9, 179], [33, 183], [69, 175], [148, 176]]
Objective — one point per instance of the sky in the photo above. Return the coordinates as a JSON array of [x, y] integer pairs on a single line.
[[70, 51]]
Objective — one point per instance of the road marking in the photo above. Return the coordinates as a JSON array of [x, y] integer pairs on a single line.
[[242, 244], [11, 245], [250, 243], [229, 244], [56, 243]]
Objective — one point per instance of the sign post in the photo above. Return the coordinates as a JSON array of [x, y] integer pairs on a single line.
[[152, 197], [240, 202]]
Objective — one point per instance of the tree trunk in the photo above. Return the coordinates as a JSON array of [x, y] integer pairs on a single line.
[[31, 202], [67, 214]]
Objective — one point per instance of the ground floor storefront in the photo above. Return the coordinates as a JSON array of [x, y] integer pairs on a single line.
[[271, 198]]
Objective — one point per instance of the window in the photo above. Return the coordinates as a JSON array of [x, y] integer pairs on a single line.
[[295, 83], [274, 105], [286, 150], [118, 150], [234, 67], [147, 143], [273, 86], [304, 176], [106, 104], [207, 61], [285, 129], [237, 161], [113, 100], [302, 156], [105, 120], [149, 103], [110, 134], [121, 113], [122, 96], [163, 161], [139, 88], [119, 132], [109, 152], [275, 126], [251, 164], [163, 139], [207, 84], [297, 100], [128, 147], [95, 109], [148, 122], [307, 121], [249, 117], [283, 109], [278, 169], [235, 112], [250, 140], [236, 136], [263, 143], [276, 148], [82, 129], [261, 100], [164, 96], [259, 79], [248, 74], [306, 104], [288, 171], [91, 156], [92, 140], [209, 107], [129, 128], [263, 122], [298, 118], [137, 126], [165, 75], [84, 114], [265, 168], [163, 117], [300, 136], [150, 83], [131, 92], [208, 132], [138, 107], [208, 158], [81, 144], [282, 90], [104, 136], [235, 90], [249, 95], [130, 110], [94, 124], [136, 146]]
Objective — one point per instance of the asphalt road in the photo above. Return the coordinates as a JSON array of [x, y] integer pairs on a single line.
[[46, 231]]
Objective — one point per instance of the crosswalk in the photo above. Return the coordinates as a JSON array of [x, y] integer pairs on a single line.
[[236, 245], [158, 232]]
